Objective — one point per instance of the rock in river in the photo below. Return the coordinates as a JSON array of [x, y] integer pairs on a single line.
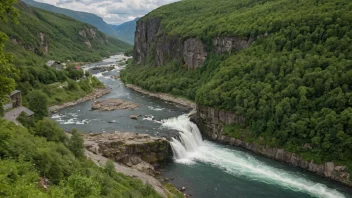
[[113, 104], [135, 117]]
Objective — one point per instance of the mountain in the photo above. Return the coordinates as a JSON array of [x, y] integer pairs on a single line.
[[126, 30], [89, 18], [45, 35], [282, 68]]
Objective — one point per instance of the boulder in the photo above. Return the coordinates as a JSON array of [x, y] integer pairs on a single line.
[[135, 117]]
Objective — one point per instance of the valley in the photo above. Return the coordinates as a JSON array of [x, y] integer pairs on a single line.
[[176, 99]]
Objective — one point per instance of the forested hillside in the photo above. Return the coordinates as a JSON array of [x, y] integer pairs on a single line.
[[89, 18], [286, 66], [42, 35], [124, 32]]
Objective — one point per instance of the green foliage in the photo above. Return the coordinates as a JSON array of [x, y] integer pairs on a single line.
[[51, 131], [38, 103], [25, 121], [292, 85], [2, 111], [7, 69], [173, 190], [19, 179], [110, 167], [25, 158], [86, 85], [76, 144], [172, 78], [72, 85], [129, 52], [73, 73], [59, 86], [7, 10], [83, 186]]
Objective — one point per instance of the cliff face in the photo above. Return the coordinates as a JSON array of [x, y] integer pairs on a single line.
[[211, 122], [153, 45]]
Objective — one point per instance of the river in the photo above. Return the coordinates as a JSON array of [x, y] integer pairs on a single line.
[[206, 169]]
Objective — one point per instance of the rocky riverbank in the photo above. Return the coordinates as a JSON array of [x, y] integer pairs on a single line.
[[97, 93], [133, 154], [212, 121], [166, 97]]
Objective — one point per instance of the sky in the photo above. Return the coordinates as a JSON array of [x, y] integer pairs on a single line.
[[112, 11]]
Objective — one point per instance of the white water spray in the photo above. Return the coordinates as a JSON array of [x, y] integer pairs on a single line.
[[189, 148]]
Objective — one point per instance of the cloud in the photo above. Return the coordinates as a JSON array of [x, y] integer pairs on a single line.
[[112, 11]]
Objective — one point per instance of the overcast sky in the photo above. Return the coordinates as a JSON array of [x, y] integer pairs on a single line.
[[112, 11]]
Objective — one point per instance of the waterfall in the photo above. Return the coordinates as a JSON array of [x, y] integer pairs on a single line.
[[189, 140], [189, 148]]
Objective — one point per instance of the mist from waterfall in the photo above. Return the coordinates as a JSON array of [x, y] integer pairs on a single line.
[[189, 148]]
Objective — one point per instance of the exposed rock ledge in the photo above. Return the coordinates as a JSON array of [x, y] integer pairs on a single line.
[[138, 151], [211, 122], [97, 93], [113, 104], [129, 148], [167, 97]]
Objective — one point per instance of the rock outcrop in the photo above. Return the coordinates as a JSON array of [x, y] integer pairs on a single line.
[[113, 104], [194, 53], [211, 122], [153, 46], [44, 42], [223, 45], [145, 36], [138, 151], [88, 33]]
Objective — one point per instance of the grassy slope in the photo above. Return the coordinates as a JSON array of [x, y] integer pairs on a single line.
[[293, 86]]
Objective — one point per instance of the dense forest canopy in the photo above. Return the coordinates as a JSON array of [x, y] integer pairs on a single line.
[[293, 84]]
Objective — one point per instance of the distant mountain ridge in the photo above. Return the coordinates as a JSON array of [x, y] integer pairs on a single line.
[[42, 35], [116, 31], [126, 30]]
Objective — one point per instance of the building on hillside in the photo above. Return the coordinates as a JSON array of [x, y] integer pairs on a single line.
[[56, 64], [16, 98], [50, 63], [14, 109]]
